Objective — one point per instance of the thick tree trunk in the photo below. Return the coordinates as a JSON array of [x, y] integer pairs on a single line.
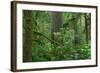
[[75, 36], [57, 21], [56, 27], [27, 36]]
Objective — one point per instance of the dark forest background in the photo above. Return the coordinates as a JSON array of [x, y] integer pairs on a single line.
[[56, 36]]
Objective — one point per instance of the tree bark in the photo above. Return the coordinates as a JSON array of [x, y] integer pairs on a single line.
[[57, 21], [88, 27], [56, 27], [75, 41], [76, 36], [27, 36]]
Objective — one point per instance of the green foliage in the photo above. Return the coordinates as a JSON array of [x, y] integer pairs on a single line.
[[85, 52], [67, 44]]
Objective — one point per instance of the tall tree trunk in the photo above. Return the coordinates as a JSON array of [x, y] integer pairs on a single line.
[[56, 27], [81, 36], [27, 36], [75, 36], [86, 28], [57, 21], [89, 26], [74, 20], [56, 34]]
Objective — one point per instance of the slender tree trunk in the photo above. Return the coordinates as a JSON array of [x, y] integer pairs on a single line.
[[89, 26], [27, 36], [74, 20], [86, 28], [81, 26]]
